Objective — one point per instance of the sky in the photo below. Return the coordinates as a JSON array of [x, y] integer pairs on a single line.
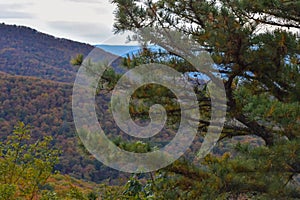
[[88, 21]]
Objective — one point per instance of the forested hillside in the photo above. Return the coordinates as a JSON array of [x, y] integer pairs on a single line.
[[25, 51], [36, 80], [46, 106]]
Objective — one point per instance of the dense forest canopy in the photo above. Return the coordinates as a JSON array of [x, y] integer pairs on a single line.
[[36, 88]]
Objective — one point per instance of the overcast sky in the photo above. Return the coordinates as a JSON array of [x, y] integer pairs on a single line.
[[89, 21]]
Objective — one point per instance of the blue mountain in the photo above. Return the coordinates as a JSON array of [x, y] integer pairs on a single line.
[[124, 50]]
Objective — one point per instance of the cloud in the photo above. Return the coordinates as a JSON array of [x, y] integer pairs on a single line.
[[6, 14], [64, 18], [86, 1], [90, 31], [14, 11], [99, 6]]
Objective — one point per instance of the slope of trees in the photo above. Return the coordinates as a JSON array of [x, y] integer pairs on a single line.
[[46, 106], [25, 51]]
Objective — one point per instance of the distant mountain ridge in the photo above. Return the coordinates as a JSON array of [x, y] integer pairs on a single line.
[[124, 50], [28, 52]]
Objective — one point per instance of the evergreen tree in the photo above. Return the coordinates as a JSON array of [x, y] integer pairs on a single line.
[[257, 49]]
